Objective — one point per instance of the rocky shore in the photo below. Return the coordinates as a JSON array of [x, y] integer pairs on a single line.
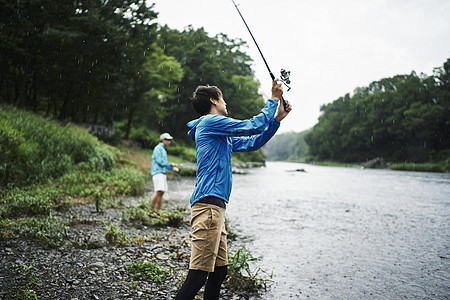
[[87, 266]]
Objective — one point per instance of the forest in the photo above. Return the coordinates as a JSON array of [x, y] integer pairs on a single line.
[[111, 64], [405, 118], [402, 120]]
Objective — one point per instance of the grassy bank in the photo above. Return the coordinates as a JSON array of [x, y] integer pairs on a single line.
[[45, 165], [441, 167], [425, 167], [334, 164]]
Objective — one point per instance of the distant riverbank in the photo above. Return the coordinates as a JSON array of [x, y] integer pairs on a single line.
[[443, 167]]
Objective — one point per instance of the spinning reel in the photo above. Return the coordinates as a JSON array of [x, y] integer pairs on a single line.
[[284, 78]]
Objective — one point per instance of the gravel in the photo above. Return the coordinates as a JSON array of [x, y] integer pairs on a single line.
[[88, 267]]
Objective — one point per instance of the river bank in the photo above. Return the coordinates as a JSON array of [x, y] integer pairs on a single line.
[[74, 221], [379, 163], [89, 266]]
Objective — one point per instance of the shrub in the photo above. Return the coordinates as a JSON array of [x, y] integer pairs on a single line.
[[140, 213], [134, 213], [28, 202], [254, 156], [102, 184], [172, 218], [35, 150], [116, 236], [242, 279], [148, 270], [184, 153], [146, 137], [47, 230]]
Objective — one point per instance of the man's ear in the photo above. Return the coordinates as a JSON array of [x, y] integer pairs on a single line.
[[213, 101]]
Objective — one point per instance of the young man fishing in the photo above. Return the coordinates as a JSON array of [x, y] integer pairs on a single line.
[[216, 136]]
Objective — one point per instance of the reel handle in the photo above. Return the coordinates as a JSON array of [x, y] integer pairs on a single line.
[[282, 99]]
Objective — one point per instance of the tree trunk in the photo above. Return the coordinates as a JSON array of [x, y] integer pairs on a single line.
[[34, 100], [1, 88], [63, 112], [16, 92], [129, 121]]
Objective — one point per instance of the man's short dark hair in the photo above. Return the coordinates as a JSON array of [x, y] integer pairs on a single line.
[[200, 98]]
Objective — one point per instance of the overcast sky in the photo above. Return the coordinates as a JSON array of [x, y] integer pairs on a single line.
[[331, 47]]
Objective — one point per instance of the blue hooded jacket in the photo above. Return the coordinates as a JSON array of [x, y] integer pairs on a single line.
[[216, 137], [160, 164]]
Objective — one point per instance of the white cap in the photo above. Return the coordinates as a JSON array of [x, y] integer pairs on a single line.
[[166, 136]]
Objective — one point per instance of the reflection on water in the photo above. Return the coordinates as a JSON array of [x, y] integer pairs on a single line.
[[345, 233], [342, 233]]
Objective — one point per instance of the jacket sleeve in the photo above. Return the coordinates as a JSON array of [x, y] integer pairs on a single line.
[[160, 158], [225, 126], [254, 142]]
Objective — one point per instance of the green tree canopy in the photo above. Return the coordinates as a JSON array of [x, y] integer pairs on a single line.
[[403, 118], [208, 60]]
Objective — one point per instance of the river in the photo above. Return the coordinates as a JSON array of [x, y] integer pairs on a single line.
[[345, 233]]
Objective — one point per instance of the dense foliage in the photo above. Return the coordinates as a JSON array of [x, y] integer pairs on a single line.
[[215, 61], [110, 63], [76, 60], [36, 150], [44, 165], [403, 118]]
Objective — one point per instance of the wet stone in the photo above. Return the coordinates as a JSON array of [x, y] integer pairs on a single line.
[[97, 264], [162, 256], [78, 272]]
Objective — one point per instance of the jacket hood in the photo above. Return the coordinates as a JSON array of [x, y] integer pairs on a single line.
[[193, 126]]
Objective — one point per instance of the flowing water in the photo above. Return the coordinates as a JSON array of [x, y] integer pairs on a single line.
[[346, 233]]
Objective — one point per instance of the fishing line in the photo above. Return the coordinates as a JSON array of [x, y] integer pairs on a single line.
[[284, 78]]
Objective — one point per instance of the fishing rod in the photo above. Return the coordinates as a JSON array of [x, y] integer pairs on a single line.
[[187, 164], [194, 164], [284, 78]]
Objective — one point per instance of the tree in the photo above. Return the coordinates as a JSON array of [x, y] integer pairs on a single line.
[[154, 86], [208, 60], [403, 118]]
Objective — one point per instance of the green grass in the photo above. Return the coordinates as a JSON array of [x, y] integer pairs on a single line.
[[140, 213], [48, 231], [148, 270], [114, 235], [36, 150], [242, 278], [46, 166], [334, 164], [425, 167], [25, 282]]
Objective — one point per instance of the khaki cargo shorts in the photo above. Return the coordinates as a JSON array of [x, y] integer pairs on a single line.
[[209, 237]]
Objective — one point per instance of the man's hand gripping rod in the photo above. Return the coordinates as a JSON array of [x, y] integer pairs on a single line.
[[284, 74]]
